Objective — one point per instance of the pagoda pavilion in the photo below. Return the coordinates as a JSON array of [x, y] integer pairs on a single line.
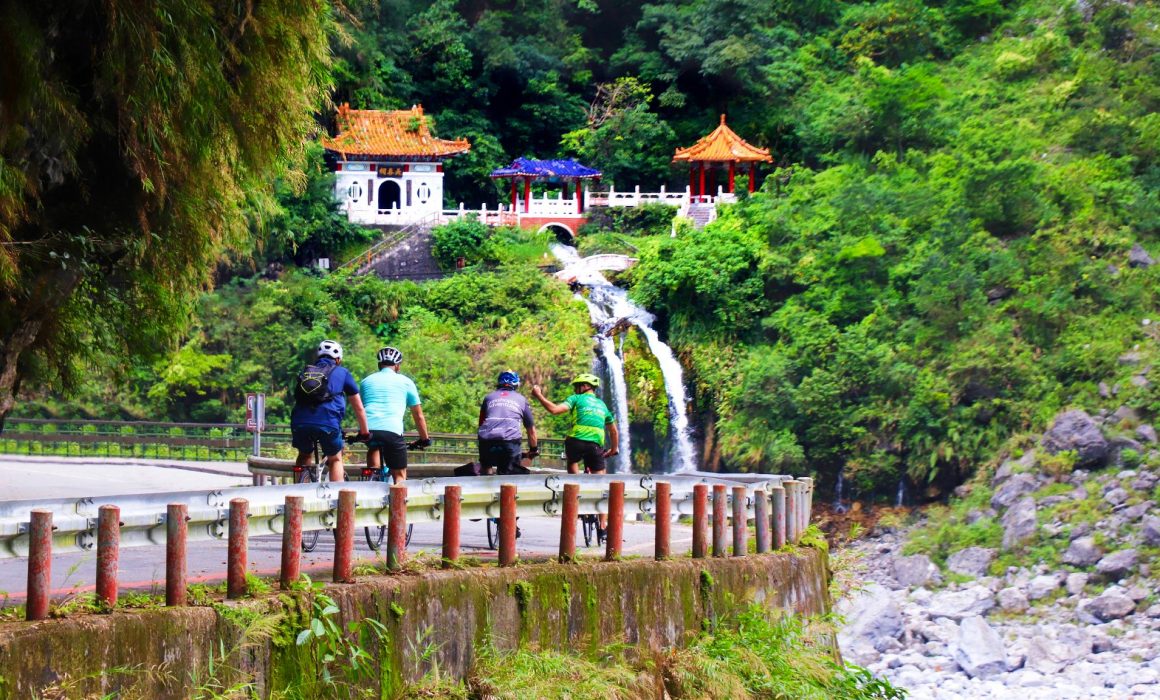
[[565, 172], [389, 167], [722, 149]]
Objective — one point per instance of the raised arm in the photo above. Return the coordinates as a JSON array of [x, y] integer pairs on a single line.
[[554, 408]]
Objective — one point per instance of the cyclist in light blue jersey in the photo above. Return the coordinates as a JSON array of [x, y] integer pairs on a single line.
[[387, 396]]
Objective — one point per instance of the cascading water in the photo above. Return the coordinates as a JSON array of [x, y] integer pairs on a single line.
[[615, 366], [839, 507], [608, 305], [900, 497]]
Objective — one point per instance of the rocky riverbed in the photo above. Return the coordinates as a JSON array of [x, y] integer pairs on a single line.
[[1064, 602]]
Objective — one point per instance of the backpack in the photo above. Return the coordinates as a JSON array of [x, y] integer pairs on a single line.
[[313, 386]]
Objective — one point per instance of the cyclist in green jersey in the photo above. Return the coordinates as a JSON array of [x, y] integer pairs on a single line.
[[590, 418]]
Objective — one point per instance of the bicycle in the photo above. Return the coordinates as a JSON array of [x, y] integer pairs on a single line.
[[493, 523], [308, 474], [376, 533]]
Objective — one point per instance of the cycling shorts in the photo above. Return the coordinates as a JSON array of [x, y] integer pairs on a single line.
[[504, 455], [303, 437], [592, 454], [392, 448]]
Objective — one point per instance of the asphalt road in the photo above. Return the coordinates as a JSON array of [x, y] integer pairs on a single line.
[[143, 568]]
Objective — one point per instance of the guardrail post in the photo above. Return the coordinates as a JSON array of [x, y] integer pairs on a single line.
[[344, 537], [39, 564], [740, 522], [507, 525], [791, 510], [807, 501], [700, 520], [568, 516], [451, 510], [761, 519], [664, 518], [777, 496], [176, 527], [291, 542], [397, 527], [236, 558], [614, 535], [108, 553], [719, 498]]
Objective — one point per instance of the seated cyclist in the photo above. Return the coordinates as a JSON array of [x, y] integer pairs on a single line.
[[590, 417], [501, 414], [387, 395], [318, 419]]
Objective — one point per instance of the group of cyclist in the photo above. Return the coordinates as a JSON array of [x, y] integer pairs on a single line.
[[381, 401]]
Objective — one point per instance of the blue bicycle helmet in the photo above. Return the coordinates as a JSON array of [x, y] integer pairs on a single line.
[[508, 379]]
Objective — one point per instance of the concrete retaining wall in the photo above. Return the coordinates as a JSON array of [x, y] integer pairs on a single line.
[[429, 620]]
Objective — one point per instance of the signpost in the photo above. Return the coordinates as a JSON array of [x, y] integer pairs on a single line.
[[256, 423]]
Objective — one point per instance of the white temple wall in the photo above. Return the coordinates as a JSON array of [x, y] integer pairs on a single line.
[[389, 192]]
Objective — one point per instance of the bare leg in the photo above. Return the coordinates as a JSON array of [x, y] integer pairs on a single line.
[[398, 476], [603, 519], [337, 472], [304, 459]]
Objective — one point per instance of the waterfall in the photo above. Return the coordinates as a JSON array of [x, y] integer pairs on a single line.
[[839, 507], [609, 305], [900, 498], [615, 365]]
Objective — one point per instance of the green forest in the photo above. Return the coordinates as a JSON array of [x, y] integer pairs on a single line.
[[951, 246]]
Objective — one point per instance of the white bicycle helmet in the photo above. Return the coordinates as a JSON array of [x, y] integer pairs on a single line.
[[390, 356], [330, 348]]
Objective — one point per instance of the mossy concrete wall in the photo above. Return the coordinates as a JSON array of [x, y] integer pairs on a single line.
[[433, 619]]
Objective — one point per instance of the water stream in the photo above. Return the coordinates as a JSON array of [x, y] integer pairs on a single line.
[[609, 305], [614, 370]]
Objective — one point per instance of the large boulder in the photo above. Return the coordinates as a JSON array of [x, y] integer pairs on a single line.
[[958, 605], [972, 561], [1117, 565], [1138, 257], [979, 650], [1019, 522], [873, 621], [914, 571], [1044, 585], [1112, 604], [1150, 530], [1013, 489], [1076, 430], [1146, 433], [1013, 599], [1082, 552]]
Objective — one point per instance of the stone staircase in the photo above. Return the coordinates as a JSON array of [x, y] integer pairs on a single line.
[[702, 214], [401, 253]]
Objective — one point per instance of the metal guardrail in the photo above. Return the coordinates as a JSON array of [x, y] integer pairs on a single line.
[[204, 441], [143, 516]]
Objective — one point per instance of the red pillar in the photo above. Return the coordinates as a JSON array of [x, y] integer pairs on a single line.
[[39, 565], [614, 535], [514, 195], [451, 510], [568, 522], [719, 517], [663, 519], [236, 555], [291, 542], [752, 177], [527, 192], [108, 553], [507, 524], [702, 167], [579, 197], [731, 172], [396, 527], [344, 538], [176, 529], [700, 520]]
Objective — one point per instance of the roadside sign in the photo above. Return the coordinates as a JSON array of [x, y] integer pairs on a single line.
[[255, 412]]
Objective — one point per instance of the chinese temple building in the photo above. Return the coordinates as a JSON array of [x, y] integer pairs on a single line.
[[565, 210], [721, 151], [389, 166]]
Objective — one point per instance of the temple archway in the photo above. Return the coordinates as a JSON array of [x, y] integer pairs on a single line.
[[390, 195], [561, 231]]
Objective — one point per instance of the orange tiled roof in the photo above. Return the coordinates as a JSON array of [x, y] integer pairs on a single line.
[[723, 145], [403, 133]]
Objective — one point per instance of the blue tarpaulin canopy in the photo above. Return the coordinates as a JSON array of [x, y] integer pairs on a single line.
[[546, 169]]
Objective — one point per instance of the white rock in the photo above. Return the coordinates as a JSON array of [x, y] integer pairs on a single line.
[[1076, 582], [1043, 586], [961, 604], [979, 650], [1013, 599]]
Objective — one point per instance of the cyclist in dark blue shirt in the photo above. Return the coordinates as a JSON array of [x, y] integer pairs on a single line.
[[321, 422]]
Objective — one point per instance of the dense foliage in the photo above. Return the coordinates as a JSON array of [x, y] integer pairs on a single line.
[[136, 143]]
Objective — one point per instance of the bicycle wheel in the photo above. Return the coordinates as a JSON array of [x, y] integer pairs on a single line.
[[588, 527], [375, 533], [309, 537], [492, 533], [410, 530]]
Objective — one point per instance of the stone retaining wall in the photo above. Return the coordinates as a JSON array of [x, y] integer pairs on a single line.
[[429, 620]]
